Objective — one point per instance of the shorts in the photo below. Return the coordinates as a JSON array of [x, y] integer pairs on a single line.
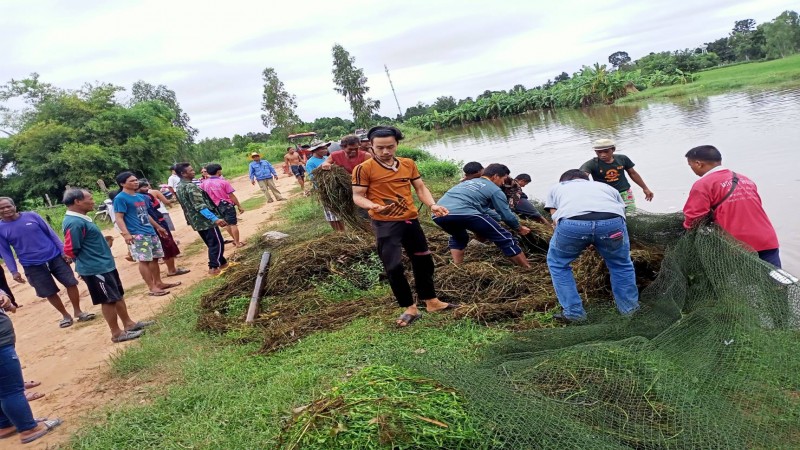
[[42, 276], [330, 216], [105, 288], [146, 248], [298, 171], [480, 224], [630, 202], [228, 212], [168, 220]]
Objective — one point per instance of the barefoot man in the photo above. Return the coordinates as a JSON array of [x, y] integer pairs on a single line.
[[292, 159], [382, 185]]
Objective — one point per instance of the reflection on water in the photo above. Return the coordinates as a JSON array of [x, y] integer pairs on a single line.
[[757, 133]]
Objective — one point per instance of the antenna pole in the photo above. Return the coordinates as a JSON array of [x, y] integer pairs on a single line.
[[399, 111]]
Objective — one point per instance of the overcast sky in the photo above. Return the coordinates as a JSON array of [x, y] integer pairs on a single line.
[[212, 53]]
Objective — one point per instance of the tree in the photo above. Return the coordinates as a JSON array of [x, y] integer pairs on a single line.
[[351, 83], [444, 103], [31, 92], [278, 105], [746, 40], [618, 59], [781, 35], [563, 77], [419, 109], [141, 91], [722, 48]]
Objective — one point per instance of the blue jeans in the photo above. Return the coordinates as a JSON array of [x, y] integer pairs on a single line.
[[610, 237], [15, 409]]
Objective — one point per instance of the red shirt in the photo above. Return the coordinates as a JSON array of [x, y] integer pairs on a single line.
[[741, 214], [340, 158]]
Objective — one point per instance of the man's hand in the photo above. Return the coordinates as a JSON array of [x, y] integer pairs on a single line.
[[253, 182], [439, 211], [67, 259], [128, 238], [648, 195], [326, 166], [18, 278], [162, 232], [5, 303], [523, 230], [221, 223], [241, 210], [378, 208]]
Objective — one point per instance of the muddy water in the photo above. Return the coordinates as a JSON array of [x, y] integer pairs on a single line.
[[757, 133]]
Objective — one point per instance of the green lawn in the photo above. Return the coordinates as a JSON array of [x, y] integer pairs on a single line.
[[778, 73]]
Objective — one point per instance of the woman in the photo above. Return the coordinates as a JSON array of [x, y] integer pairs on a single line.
[[171, 250], [15, 412]]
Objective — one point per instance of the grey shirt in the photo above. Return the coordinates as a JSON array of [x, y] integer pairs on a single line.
[[576, 197]]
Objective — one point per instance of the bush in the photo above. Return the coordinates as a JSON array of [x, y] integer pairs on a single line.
[[438, 169], [413, 153]]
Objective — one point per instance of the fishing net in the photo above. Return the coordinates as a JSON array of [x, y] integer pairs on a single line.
[[710, 361]]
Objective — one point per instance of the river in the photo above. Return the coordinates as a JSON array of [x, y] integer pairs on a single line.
[[758, 134]]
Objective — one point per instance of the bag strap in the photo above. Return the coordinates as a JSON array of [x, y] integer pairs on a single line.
[[734, 183]]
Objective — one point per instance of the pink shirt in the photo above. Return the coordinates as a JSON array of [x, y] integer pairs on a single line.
[[218, 189], [741, 214], [340, 159]]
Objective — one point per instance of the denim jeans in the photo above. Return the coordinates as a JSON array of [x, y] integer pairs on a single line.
[[610, 237], [15, 408]]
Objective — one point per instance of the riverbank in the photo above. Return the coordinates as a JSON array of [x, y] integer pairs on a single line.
[[776, 74]]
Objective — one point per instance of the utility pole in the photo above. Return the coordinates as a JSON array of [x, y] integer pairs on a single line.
[[399, 111]]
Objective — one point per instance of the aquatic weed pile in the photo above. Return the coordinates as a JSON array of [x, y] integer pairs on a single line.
[[334, 190]]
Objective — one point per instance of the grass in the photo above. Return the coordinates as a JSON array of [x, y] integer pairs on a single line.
[[778, 73]]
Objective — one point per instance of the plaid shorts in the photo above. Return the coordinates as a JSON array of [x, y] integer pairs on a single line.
[[146, 248], [630, 202], [330, 216]]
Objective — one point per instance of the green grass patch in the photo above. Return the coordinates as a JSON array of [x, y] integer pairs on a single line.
[[302, 210], [783, 72], [254, 202]]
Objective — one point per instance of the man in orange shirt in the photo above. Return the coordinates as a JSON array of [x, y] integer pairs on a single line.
[[382, 185]]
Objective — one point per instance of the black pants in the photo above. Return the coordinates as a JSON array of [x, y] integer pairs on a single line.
[[392, 238], [216, 246], [4, 286]]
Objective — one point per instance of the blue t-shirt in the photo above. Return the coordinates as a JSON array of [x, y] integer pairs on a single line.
[[135, 209], [312, 164], [477, 196]]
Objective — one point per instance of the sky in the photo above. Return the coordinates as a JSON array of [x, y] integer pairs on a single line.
[[212, 54]]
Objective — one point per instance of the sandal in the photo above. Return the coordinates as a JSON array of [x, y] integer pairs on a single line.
[[408, 319], [180, 271], [31, 396], [127, 336], [32, 384], [85, 317], [141, 325], [171, 285], [65, 322], [49, 425], [13, 432], [158, 293]]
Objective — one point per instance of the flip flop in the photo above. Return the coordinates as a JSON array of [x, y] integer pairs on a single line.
[[32, 384], [158, 293], [142, 324], [85, 317], [408, 319], [49, 425], [178, 272], [171, 285], [127, 336], [451, 306], [31, 396], [65, 322], [8, 435]]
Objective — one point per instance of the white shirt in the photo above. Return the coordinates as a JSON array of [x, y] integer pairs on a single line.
[[576, 197], [173, 181]]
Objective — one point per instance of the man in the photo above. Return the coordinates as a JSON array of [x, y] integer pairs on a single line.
[[467, 203], [589, 213], [731, 200], [263, 173], [84, 242], [517, 199], [292, 159], [222, 194], [365, 144], [610, 169], [382, 185], [141, 233], [160, 203], [202, 216], [173, 180], [472, 170], [168, 244], [41, 254], [349, 157], [318, 153]]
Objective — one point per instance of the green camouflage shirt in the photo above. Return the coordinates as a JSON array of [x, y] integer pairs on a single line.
[[193, 200]]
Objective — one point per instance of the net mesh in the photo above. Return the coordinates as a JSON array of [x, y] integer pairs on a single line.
[[711, 360]]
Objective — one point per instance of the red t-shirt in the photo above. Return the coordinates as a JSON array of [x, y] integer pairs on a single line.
[[741, 214], [340, 159]]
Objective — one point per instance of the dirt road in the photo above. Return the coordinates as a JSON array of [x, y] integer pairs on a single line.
[[70, 362]]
